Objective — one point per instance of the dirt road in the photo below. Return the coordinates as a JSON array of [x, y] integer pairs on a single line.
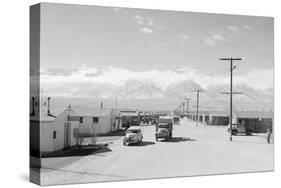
[[194, 150]]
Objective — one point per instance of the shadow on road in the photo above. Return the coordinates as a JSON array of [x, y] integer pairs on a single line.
[[143, 143], [59, 160], [179, 139], [253, 142], [78, 151], [243, 135], [120, 132]]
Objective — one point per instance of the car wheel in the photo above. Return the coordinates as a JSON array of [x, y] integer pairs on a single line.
[[234, 132], [124, 143], [156, 139], [248, 133]]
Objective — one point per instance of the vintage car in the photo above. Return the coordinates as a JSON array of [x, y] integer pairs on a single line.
[[176, 120], [164, 128], [238, 128], [133, 136]]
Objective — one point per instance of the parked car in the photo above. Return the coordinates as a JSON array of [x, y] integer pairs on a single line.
[[164, 128], [176, 120], [239, 128], [133, 136], [153, 121]]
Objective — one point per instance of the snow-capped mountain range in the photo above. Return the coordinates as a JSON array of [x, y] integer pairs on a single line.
[[169, 85], [136, 89]]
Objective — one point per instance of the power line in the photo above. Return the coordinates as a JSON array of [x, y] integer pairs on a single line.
[[187, 105], [233, 92], [197, 104], [230, 94]]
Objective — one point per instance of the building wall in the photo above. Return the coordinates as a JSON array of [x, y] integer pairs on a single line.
[[73, 140], [34, 138], [50, 144], [201, 118], [87, 128], [220, 120], [103, 126], [46, 136], [207, 119], [58, 125], [257, 125]]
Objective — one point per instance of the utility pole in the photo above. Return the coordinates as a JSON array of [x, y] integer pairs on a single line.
[[115, 105], [187, 104], [231, 69], [197, 104], [233, 93], [179, 108], [183, 109], [116, 115]]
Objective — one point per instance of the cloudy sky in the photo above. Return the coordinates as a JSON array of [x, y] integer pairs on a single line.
[[105, 44]]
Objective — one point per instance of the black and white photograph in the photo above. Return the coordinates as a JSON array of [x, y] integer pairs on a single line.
[[131, 94]]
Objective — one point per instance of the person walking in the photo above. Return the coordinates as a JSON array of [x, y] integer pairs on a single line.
[[268, 136]]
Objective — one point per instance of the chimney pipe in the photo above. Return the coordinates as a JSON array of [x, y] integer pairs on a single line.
[[49, 106], [48, 112]]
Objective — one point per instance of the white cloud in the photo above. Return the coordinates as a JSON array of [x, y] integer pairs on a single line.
[[239, 30], [232, 28], [209, 42], [85, 79], [247, 27], [116, 9], [119, 9], [218, 37], [150, 21], [147, 21], [214, 39], [183, 37], [139, 19], [146, 30], [260, 79]]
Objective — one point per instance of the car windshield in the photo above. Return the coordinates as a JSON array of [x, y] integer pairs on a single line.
[[237, 126], [133, 131], [163, 125]]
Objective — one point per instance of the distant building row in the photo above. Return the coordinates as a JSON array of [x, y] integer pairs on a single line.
[[259, 121], [75, 125]]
